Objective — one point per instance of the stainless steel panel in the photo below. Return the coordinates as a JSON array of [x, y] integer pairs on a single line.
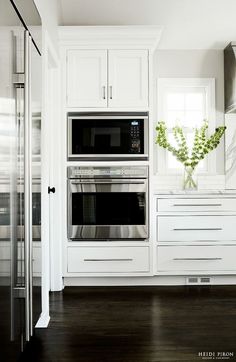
[[5, 232], [27, 183], [230, 78], [31, 18], [131, 185], [107, 172], [107, 232], [11, 61]]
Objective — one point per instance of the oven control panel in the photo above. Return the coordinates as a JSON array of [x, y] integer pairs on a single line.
[[109, 172]]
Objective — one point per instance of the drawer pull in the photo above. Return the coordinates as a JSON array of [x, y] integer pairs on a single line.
[[197, 259], [197, 204], [198, 229], [108, 259]]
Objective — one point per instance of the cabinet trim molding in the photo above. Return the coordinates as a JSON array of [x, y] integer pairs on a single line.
[[142, 36]]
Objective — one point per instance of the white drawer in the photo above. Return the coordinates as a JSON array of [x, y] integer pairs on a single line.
[[196, 228], [108, 259], [196, 205], [195, 258]]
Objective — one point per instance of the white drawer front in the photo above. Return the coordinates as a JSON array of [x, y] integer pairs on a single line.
[[108, 259], [196, 205], [195, 258], [196, 228]]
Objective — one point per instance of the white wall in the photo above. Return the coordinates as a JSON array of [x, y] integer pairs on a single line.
[[194, 64], [49, 12]]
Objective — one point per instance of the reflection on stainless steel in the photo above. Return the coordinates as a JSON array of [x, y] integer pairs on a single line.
[[230, 78], [107, 203], [108, 232], [15, 119], [5, 228]]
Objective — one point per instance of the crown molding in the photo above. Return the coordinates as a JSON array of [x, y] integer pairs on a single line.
[[111, 36]]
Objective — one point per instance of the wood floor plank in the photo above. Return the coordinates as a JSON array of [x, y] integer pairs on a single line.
[[137, 324]]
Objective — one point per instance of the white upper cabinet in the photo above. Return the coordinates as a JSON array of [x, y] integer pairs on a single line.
[[107, 78], [128, 78], [86, 78]]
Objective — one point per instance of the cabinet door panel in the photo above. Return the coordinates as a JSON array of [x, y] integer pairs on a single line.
[[87, 78], [128, 78]]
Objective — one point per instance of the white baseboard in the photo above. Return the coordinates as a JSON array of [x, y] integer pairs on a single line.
[[43, 321], [142, 281]]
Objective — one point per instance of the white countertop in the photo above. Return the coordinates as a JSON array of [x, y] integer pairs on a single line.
[[194, 193]]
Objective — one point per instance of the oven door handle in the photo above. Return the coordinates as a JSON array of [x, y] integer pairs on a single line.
[[107, 182]]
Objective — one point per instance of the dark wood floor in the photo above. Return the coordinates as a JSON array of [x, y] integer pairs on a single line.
[[137, 325]]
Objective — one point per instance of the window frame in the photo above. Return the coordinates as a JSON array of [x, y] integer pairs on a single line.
[[162, 85]]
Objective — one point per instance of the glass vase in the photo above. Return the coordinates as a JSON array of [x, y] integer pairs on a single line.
[[190, 182]]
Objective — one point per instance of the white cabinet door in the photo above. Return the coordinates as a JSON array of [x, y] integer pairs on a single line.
[[86, 78], [128, 78]]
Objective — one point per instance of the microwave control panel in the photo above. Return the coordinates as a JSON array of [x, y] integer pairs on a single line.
[[135, 131]]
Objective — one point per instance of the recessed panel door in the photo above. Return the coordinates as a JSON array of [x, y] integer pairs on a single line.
[[128, 78], [86, 78]]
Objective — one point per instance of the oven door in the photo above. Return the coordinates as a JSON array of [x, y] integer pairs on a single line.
[[107, 209]]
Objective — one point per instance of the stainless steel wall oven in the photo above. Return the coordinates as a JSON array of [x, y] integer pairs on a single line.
[[110, 136], [108, 203]]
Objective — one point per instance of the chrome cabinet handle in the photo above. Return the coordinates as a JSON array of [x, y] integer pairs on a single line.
[[104, 92], [198, 229], [126, 259], [197, 259], [197, 204], [28, 188], [110, 92]]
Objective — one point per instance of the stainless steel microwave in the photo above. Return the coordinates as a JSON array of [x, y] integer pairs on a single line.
[[112, 136]]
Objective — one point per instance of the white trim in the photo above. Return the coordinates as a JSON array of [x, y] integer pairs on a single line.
[[49, 54], [209, 85], [43, 321], [54, 153], [161, 280], [132, 36], [44, 183]]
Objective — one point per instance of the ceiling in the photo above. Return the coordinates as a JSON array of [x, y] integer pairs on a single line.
[[187, 24]]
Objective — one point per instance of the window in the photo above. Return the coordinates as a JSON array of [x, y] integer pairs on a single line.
[[186, 102]]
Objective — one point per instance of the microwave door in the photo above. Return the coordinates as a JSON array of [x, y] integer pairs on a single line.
[[107, 138]]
